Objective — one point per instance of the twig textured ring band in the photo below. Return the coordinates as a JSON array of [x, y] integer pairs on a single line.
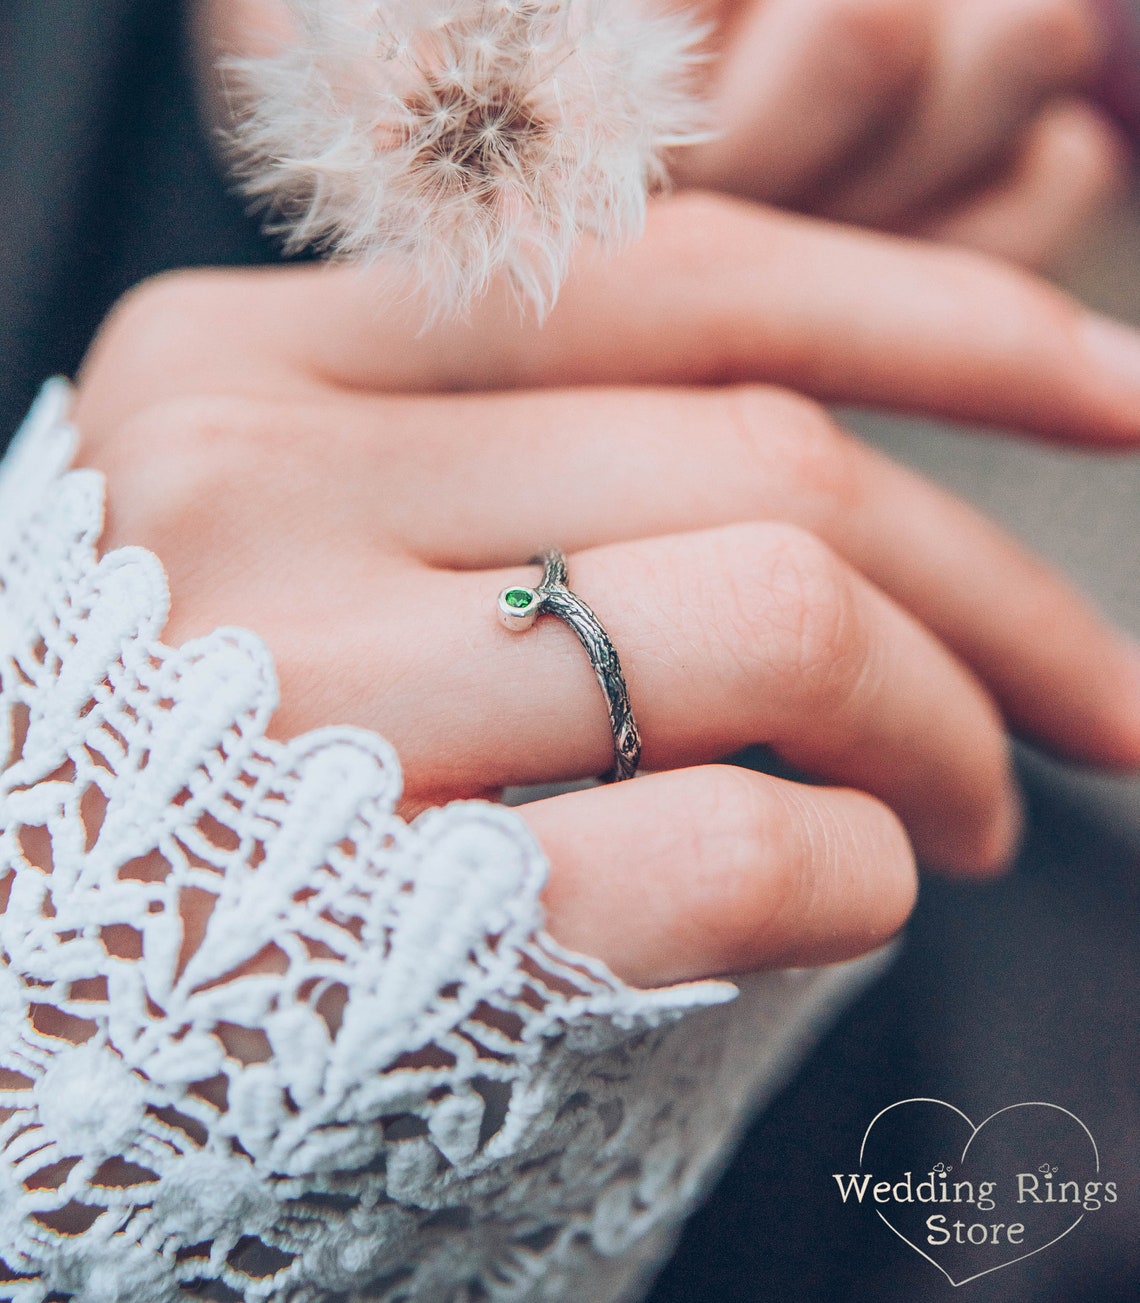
[[520, 607]]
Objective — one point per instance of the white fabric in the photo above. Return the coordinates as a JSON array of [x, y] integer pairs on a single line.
[[372, 1075]]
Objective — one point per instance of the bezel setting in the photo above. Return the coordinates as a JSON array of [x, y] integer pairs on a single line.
[[518, 615]]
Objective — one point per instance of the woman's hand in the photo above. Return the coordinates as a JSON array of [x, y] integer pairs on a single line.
[[968, 120], [305, 466]]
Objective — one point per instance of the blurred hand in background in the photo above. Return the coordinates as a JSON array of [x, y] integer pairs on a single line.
[[982, 122]]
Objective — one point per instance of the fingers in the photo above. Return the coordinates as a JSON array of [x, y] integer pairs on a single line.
[[751, 633], [718, 870], [1060, 673], [643, 463], [648, 463], [1072, 163], [748, 633], [876, 111], [843, 316], [717, 291], [800, 85], [994, 63]]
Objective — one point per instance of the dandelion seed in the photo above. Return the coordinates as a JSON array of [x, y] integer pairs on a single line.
[[461, 140]]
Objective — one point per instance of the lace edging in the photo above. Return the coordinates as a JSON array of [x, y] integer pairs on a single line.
[[256, 1032]]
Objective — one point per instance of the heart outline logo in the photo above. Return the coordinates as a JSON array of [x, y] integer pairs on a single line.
[[974, 1132]]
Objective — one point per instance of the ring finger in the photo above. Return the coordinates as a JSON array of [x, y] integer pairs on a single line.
[[748, 633], [662, 462]]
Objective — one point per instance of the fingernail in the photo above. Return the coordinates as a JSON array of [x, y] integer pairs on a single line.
[[1114, 349]]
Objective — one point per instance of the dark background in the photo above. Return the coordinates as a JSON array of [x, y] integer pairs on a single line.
[[1026, 989]]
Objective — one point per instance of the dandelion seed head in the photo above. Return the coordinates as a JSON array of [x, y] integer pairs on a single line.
[[463, 140]]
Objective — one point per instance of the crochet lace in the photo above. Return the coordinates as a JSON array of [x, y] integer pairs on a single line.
[[262, 1039]]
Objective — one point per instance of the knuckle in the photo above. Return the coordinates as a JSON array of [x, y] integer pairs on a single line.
[[745, 862], [784, 437], [177, 326], [158, 338], [797, 617], [144, 318], [205, 445], [769, 865]]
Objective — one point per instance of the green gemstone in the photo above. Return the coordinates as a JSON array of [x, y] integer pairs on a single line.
[[518, 598]]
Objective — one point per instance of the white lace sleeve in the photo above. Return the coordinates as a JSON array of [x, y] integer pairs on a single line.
[[369, 1074]]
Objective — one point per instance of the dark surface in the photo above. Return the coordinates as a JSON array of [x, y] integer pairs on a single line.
[[1020, 991], [105, 177], [1025, 990]]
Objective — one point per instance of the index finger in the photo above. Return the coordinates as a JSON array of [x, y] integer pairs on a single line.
[[717, 291]]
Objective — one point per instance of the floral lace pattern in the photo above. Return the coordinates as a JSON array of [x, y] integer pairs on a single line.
[[262, 1039]]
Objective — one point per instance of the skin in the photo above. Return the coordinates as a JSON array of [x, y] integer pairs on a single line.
[[969, 121], [305, 464], [309, 464], [964, 120]]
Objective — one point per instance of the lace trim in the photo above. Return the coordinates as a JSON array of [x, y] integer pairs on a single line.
[[259, 1037]]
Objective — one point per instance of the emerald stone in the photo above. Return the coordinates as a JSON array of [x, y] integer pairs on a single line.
[[518, 598]]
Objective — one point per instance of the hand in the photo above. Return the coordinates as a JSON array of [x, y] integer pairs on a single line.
[[308, 467], [965, 120]]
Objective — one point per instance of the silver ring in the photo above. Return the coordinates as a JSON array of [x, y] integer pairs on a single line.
[[519, 607]]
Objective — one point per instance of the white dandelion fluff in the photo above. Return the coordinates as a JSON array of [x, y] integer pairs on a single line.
[[460, 139]]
